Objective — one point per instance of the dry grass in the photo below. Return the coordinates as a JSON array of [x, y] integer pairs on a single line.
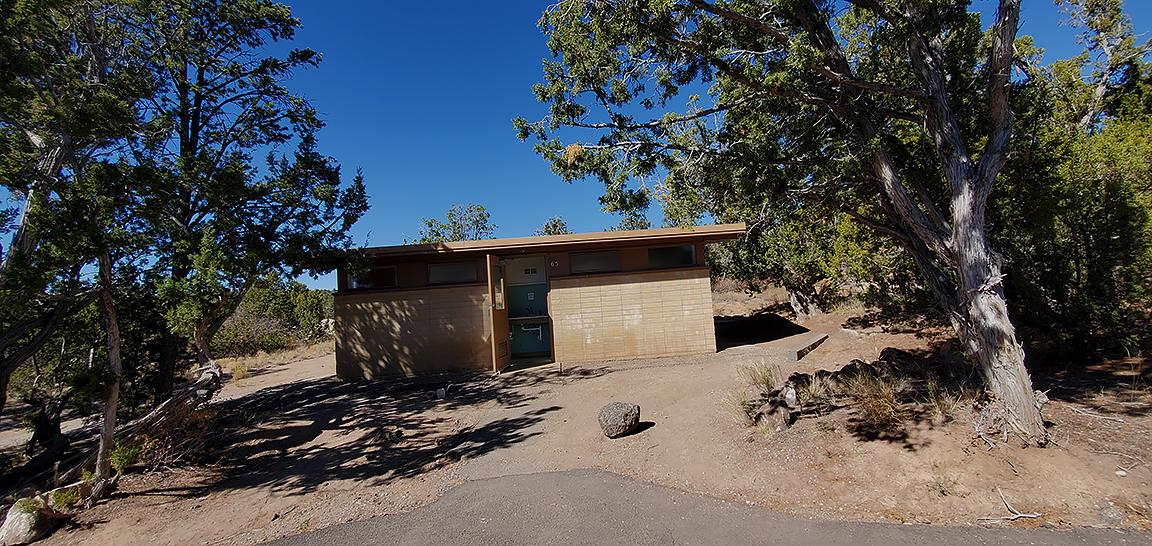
[[241, 369], [741, 406], [763, 376], [816, 391], [244, 366], [877, 400], [945, 400]]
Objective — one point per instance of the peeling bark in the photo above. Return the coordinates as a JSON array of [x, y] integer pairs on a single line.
[[104, 479]]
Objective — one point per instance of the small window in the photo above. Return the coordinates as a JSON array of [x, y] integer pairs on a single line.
[[376, 277], [671, 256], [596, 262], [498, 288], [452, 273]]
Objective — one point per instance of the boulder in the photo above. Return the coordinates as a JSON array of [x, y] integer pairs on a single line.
[[619, 418], [24, 523]]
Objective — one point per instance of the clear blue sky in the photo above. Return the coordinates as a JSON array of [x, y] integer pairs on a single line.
[[420, 95]]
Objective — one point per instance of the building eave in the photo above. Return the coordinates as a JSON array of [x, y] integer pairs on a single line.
[[519, 245]]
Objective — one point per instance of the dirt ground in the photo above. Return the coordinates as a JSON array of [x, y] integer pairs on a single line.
[[303, 450]]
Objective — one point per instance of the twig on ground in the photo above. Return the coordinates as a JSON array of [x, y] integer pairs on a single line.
[[1014, 471], [1016, 514], [1096, 415], [1136, 461]]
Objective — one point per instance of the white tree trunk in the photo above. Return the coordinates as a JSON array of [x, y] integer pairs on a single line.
[[804, 305], [989, 334], [108, 428]]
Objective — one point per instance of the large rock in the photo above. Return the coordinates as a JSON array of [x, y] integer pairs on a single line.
[[24, 523], [619, 418]]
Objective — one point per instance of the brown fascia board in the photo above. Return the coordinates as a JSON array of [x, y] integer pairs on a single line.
[[521, 245]]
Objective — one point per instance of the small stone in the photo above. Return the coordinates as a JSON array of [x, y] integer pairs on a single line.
[[1110, 515], [619, 418], [1121, 473]]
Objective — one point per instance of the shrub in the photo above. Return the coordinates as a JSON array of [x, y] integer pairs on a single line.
[[741, 405], [275, 315], [877, 400], [240, 369], [123, 456], [27, 505], [63, 498], [762, 375]]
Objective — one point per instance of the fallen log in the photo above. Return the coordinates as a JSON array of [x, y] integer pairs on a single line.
[[194, 396]]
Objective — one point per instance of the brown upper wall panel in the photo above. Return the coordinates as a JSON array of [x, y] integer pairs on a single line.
[[412, 261]]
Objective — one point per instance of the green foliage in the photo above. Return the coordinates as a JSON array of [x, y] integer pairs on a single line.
[[463, 223], [134, 127], [554, 226], [64, 498], [218, 222], [735, 111], [632, 220], [28, 505], [123, 456], [1076, 231], [276, 314], [70, 90]]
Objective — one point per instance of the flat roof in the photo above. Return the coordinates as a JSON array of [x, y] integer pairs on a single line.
[[705, 234]]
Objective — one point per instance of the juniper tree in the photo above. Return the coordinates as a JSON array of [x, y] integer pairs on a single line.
[[223, 102], [896, 113]]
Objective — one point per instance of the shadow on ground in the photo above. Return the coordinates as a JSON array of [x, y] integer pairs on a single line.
[[1121, 386], [736, 331], [293, 438]]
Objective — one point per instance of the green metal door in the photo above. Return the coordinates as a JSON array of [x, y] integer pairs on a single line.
[[529, 338]]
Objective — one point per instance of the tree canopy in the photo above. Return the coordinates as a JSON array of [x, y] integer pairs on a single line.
[[160, 161], [897, 115], [462, 223]]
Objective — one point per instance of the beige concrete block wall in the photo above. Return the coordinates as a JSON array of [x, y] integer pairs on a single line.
[[409, 332], [642, 314]]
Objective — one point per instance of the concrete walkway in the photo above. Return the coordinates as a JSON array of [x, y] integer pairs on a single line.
[[594, 507]]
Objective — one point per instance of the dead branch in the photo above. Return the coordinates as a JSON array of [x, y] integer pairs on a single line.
[[1136, 461], [1015, 514], [1096, 415]]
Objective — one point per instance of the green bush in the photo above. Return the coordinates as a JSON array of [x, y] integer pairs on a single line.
[[64, 498], [123, 456], [276, 315]]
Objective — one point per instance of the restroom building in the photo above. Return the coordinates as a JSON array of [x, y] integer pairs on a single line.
[[472, 306]]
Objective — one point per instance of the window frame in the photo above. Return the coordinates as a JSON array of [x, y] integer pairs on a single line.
[[691, 254], [475, 278], [616, 267]]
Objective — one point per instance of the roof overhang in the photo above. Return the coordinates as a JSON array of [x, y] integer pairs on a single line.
[[524, 245]]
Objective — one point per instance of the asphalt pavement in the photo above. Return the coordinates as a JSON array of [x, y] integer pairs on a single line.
[[594, 507]]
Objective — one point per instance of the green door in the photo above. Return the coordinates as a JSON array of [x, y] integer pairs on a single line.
[[531, 338]]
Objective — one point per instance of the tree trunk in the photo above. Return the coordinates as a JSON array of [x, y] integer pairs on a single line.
[[803, 304], [5, 377], [162, 385], [200, 339], [171, 346], [978, 312], [989, 333], [108, 430], [45, 426]]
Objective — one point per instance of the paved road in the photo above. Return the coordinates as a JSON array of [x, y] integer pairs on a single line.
[[593, 507]]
